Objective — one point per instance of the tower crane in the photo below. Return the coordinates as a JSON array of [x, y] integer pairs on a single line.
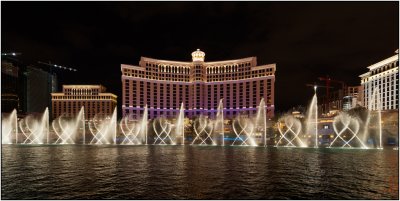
[[328, 81], [56, 66]]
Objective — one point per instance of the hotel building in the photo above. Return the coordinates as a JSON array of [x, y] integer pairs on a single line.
[[163, 85], [353, 97], [93, 98], [384, 76]]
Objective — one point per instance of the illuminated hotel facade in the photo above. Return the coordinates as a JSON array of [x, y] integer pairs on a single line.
[[384, 76], [93, 98], [163, 85]]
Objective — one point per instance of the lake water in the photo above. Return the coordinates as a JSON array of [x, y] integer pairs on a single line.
[[196, 172]]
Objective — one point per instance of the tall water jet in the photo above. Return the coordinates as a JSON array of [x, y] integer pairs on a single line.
[[219, 128], [103, 129], [312, 118], [35, 130], [375, 104], [261, 122], [180, 124], [68, 130], [144, 124], [9, 128]]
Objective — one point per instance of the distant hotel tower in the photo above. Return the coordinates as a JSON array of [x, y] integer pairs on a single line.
[[384, 76], [92, 97], [163, 85]]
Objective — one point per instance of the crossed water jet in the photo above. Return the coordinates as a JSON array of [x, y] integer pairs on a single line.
[[349, 124], [132, 131], [203, 128], [35, 130], [244, 132], [67, 130], [164, 135], [103, 129], [63, 132], [293, 128]]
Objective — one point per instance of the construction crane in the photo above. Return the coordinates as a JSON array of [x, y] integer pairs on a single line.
[[328, 81], [11, 54], [57, 66]]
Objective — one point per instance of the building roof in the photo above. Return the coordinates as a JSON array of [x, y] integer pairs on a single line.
[[384, 62]]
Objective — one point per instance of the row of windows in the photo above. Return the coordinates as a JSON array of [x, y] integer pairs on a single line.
[[135, 85], [172, 114], [72, 97], [389, 74], [379, 80], [385, 68], [68, 91], [167, 94], [88, 115], [171, 68], [199, 75]]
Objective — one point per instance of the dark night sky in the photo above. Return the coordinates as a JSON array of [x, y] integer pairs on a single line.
[[304, 39]]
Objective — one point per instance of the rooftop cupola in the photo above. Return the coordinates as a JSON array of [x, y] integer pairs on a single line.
[[198, 55]]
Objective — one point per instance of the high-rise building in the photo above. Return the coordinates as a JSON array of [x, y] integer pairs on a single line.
[[9, 86], [93, 97], [163, 85], [39, 85], [354, 96], [382, 76]]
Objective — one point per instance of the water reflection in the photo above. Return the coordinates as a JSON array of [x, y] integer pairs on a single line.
[[196, 172]]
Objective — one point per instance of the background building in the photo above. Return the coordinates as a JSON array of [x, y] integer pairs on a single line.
[[39, 85], [163, 85], [9, 86], [384, 76], [25, 87], [93, 97], [344, 98], [354, 96]]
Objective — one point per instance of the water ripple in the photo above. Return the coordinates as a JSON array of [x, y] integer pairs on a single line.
[[186, 172]]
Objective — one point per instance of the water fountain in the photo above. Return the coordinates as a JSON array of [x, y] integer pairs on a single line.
[[261, 122], [346, 129], [103, 128], [9, 128], [312, 118], [162, 128], [244, 130], [375, 104], [219, 127], [134, 132], [180, 125], [248, 130], [35, 130], [289, 128], [203, 127], [68, 130], [210, 131]]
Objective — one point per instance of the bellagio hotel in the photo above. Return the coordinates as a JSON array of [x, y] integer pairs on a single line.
[[163, 85]]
